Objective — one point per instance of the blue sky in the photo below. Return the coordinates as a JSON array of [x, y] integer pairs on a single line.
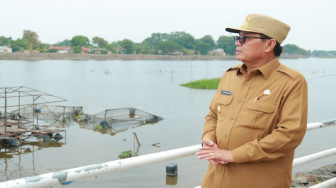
[[312, 22]]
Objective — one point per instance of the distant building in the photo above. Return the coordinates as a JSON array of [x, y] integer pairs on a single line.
[[85, 50], [218, 51], [99, 50], [5, 49], [61, 49], [176, 53]]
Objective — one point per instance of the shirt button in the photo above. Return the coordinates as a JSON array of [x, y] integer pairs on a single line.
[[220, 170], [246, 83], [232, 118], [218, 108], [225, 135], [240, 100]]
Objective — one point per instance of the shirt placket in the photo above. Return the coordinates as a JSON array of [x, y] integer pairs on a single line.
[[245, 85]]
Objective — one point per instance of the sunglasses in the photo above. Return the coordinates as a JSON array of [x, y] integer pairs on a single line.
[[243, 38]]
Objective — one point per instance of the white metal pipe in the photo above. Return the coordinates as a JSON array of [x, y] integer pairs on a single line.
[[313, 157], [312, 126], [45, 180], [325, 184]]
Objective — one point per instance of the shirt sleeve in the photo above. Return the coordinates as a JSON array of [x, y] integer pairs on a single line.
[[289, 131]]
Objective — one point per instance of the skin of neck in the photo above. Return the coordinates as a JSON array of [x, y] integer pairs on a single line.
[[256, 64]]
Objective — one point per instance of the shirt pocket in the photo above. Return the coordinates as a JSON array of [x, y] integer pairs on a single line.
[[223, 105], [262, 114]]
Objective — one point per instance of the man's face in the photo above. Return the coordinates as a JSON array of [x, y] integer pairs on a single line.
[[252, 49]]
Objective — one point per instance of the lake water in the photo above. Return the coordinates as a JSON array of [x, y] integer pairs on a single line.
[[151, 86]]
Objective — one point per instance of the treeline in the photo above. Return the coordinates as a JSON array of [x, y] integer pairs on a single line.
[[174, 43]]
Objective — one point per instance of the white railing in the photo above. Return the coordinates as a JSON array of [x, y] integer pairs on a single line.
[[63, 176]]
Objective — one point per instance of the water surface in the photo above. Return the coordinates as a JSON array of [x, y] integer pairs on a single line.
[[152, 86]]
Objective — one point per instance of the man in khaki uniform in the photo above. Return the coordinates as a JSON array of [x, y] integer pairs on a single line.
[[258, 115]]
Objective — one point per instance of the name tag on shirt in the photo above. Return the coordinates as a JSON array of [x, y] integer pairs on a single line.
[[224, 92]]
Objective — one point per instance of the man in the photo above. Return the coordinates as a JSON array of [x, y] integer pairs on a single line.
[[258, 115]]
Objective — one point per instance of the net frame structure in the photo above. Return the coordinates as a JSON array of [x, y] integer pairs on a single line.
[[116, 120], [12, 123]]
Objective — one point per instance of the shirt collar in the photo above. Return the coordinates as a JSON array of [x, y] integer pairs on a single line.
[[265, 70]]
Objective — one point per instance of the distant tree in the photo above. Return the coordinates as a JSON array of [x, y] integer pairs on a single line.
[[77, 49], [209, 40], [18, 45], [99, 42], [324, 54], [184, 39], [203, 47], [227, 44], [4, 41], [111, 47], [103, 52], [43, 47], [168, 47], [128, 46], [144, 48], [65, 42], [79, 40], [52, 50], [31, 39], [293, 49], [155, 39]]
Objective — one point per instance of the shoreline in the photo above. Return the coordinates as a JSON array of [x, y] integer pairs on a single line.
[[55, 56]]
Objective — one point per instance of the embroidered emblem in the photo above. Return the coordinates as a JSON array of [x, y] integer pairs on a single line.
[[245, 24]]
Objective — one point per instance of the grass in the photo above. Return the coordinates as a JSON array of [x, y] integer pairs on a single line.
[[203, 84]]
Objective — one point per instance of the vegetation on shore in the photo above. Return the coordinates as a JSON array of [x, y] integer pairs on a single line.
[[203, 84], [174, 43]]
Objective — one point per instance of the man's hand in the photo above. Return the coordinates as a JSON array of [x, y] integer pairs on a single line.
[[212, 153]]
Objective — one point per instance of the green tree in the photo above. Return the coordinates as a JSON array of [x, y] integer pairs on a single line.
[[77, 49], [111, 47], [203, 47], [168, 47], [293, 49], [4, 41], [227, 44], [156, 38], [128, 46], [18, 45], [144, 48], [65, 42], [209, 40], [31, 39], [99, 42], [184, 39], [79, 40], [43, 47]]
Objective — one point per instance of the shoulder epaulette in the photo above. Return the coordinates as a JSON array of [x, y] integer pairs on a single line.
[[288, 71]]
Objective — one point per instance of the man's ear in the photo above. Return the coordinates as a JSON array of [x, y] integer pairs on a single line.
[[270, 45]]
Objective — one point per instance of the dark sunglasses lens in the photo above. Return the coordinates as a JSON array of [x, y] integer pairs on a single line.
[[240, 38]]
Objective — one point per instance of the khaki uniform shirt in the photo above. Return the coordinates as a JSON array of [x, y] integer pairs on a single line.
[[261, 118]]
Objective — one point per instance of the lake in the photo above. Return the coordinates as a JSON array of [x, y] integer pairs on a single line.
[[151, 86]]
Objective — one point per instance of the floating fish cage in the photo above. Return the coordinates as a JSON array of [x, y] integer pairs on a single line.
[[117, 120], [49, 112], [20, 108]]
